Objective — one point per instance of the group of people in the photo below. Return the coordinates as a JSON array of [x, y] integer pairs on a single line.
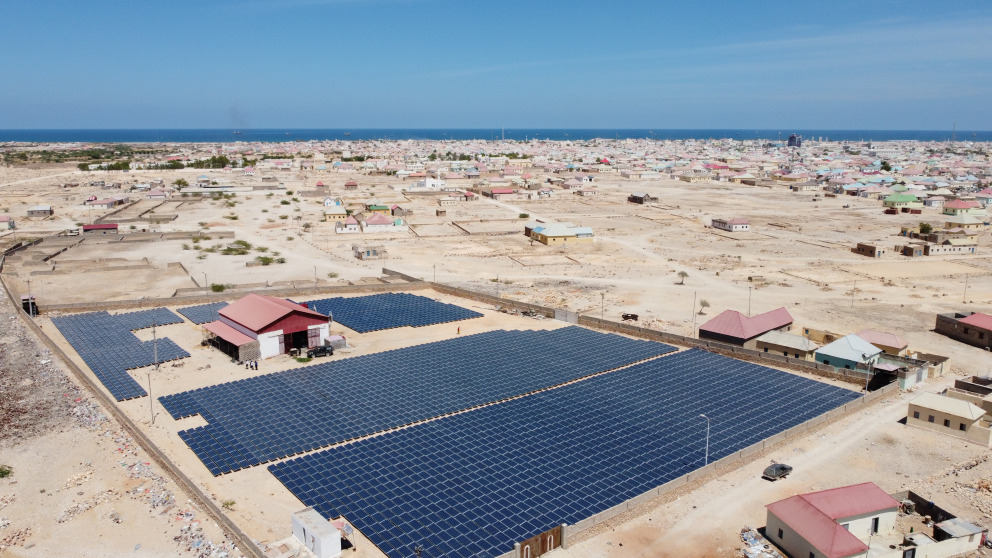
[[251, 365]]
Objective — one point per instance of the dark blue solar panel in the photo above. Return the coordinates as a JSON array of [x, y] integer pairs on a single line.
[[479, 481], [203, 313], [285, 413], [386, 311], [109, 349]]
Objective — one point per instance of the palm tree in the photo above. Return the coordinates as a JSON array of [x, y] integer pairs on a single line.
[[702, 306], [682, 275]]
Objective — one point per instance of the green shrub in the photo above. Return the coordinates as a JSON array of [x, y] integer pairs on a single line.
[[5, 471], [217, 288]]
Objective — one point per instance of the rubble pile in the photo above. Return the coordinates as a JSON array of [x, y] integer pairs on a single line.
[[86, 505]]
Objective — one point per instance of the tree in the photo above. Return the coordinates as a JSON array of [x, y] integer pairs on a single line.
[[926, 228], [682, 275], [181, 182], [886, 166], [702, 306]]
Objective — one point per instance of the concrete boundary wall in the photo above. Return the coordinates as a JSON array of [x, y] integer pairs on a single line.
[[206, 296], [241, 539]]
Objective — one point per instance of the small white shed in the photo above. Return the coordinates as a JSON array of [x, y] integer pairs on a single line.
[[317, 534]]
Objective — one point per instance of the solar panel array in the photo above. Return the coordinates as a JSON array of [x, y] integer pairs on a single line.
[[389, 310], [268, 417], [109, 349], [474, 483], [203, 313]]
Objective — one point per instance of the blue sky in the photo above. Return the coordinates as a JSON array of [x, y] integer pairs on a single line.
[[463, 64]]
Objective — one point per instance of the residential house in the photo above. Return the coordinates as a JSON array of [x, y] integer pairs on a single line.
[[899, 201], [951, 416], [736, 224], [7, 222], [732, 327], [973, 328], [641, 198], [369, 252], [833, 523], [870, 250], [963, 207], [335, 213], [848, 352], [351, 185], [378, 222], [349, 226], [40, 211], [890, 343], [786, 344], [559, 233]]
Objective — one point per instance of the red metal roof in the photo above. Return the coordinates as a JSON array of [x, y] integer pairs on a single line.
[[227, 333], [961, 204], [734, 324], [881, 338], [978, 319], [815, 516], [255, 312]]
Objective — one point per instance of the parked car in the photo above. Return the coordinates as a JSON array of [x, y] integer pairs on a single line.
[[320, 351], [776, 471]]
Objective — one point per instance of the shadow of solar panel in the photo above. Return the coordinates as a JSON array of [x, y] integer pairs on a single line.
[[298, 410], [390, 310], [203, 313], [107, 345], [477, 482]]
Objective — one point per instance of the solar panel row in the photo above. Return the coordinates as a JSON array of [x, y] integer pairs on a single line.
[[109, 349], [389, 310], [286, 413], [472, 484], [203, 313]]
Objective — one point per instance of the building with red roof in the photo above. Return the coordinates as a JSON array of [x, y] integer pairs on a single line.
[[730, 326], [833, 523], [257, 326], [890, 343], [973, 328]]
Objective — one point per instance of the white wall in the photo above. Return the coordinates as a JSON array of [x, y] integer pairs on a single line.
[[268, 343]]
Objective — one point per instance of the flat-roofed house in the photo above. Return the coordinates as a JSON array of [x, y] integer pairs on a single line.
[[834, 523], [40, 211], [732, 327], [786, 344], [954, 417], [736, 224]]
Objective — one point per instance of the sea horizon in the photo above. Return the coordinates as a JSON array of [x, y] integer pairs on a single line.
[[232, 135]]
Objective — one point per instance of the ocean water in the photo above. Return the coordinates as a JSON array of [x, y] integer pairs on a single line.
[[282, 135]]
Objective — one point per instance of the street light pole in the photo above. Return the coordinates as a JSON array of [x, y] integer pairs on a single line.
[[435, 273], [602, 308], [206, 284], [706, 460], [151, 400]]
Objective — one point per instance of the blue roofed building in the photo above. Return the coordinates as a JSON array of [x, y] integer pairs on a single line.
[[848, 352]]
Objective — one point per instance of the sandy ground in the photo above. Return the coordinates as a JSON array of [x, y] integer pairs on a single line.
[[800, 249], [79, 485]]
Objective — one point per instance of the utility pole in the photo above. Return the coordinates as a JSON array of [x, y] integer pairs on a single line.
[[853, 290], [965, 288], [749, 301], [694, 313], [602, 308]]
